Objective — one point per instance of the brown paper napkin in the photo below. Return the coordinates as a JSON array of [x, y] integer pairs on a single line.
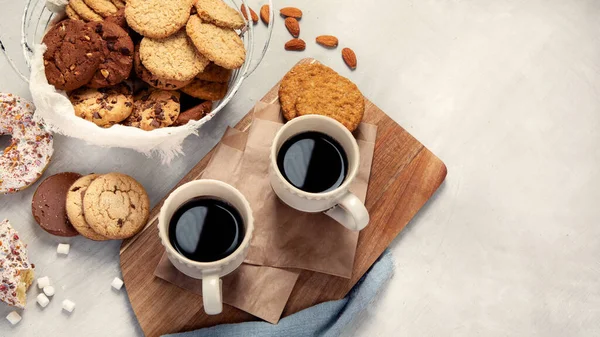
[[284, 237], [258, 290]]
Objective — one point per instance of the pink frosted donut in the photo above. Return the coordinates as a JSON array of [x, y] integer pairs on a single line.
[[25, 159]]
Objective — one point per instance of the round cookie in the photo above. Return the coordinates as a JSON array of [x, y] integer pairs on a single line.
[[117, 50], [71, 14], [145, 75], [221, 45], [157, 18], [159, 109], [218, 13], [215, 73], [84, 11], [116, 206], [48, 205], [105, 106], [119, 19], [73, 54], [295, 82], [74, 207], [201, 89], [172, 58], [336, 97], [317, 89], [24, 161], [103, 7]]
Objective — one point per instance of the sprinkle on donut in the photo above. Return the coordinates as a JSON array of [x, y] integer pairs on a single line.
[[25, 159]]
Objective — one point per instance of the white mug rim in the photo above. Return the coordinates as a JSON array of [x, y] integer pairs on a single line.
[[249, 226], [349, 176]]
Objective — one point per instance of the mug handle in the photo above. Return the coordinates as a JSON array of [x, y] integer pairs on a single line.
[[350, 212], [212, 294]]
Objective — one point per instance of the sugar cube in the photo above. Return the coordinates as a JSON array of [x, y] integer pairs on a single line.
[[49, 290], [43, 282], [63, 248], [68, 305], [117, 283], [42, 300], [13, 317]]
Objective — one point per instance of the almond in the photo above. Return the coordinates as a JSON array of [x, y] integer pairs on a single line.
[[295, 45], [349, 57], [327, 41], [291, 12], [264, 14], [292, 26], [252, 13]]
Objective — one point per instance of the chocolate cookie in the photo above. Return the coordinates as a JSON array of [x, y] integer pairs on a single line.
[[118, 18], [116, 206], [73, 54], [117, 51], [49, 204], [194, 114], [104, 106]]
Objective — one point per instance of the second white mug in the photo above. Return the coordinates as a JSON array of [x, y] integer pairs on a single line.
[[339, 203]]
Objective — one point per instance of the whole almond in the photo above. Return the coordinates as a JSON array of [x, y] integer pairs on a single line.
[[349, 57], [264, 14], [327, 41], [252, 13], [291, 12], [295, 45], [292, 26]]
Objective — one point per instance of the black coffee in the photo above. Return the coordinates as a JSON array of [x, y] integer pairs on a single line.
[[205, 229], [313, 162]]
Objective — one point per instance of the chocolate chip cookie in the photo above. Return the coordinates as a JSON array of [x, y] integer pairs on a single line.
[[117, 51], [73, 55], [116, 206], [74, 206], [158, 109], [104, 106]]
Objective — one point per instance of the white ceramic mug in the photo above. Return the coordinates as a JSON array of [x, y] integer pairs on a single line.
[[209, 272], [340, 203]]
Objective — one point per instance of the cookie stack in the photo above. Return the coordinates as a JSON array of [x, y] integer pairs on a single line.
[[182, 53], [99, 207], [317, 89]]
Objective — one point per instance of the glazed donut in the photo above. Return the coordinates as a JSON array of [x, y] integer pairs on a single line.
[[25, 159]]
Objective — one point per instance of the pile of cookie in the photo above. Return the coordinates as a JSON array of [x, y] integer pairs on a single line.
[[314, 88], [97, 206], [144, 63]]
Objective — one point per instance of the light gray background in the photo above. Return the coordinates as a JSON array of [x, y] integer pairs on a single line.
[[506, 93]]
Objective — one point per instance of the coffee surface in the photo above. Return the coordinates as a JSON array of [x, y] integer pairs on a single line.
[[206, 229], [313, 162]]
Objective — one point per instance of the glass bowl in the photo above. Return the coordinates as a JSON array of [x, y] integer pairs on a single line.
[[37, 18]]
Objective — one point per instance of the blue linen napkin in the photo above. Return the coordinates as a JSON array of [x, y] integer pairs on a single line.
[[325, 319]]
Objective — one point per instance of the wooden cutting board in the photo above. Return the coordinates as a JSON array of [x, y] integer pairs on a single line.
[[404, 175]]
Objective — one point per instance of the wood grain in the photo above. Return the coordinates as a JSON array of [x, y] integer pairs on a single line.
[[403, 177]]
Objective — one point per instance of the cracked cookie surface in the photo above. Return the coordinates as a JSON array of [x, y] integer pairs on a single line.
[[116, 206], [75, 207]]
